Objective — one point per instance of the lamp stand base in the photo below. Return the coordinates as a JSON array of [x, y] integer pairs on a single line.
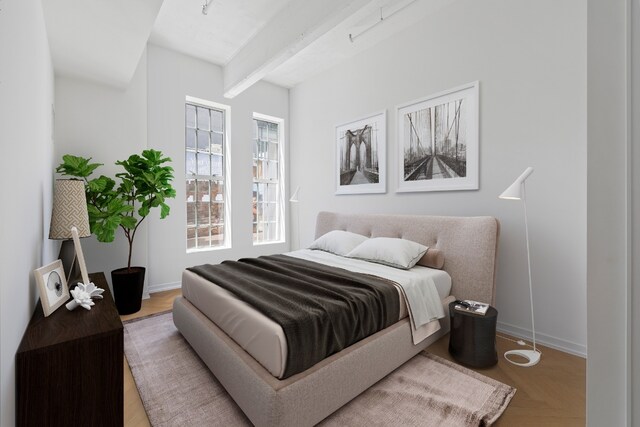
[[69, 263], [532, 356]]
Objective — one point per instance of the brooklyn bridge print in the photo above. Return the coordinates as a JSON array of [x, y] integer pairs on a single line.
[[436, 138], [360, 155]]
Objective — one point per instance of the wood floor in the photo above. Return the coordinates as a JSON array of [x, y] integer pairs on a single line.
[[549, 394]]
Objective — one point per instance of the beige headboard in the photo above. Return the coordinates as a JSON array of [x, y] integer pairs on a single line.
[[469, 244]]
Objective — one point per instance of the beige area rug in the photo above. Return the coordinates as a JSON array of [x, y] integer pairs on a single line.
[[177, 389]]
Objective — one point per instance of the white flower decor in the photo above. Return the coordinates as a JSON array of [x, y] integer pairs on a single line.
[[82, 295]]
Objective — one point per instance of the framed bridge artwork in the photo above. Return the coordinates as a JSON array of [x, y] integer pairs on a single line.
[[438, 141], [361, 147]]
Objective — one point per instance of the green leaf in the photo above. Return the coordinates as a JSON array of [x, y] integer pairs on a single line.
[[164, 210], [144, 211], [129, 222], [76, 166]]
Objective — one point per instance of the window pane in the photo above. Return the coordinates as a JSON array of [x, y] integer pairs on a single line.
[[191, 202], [217, 207], [217, 213], [204, 240], [273, 151], [261, 192], [191, 138], [191, 190], [203, 118], [273, 171], [216, 120], [258, 170], [259, 212], [216, 165], [216, 143], [191, 167], [255, 201], [191, 116], [273, 131], [217, 236], [203, 198], [272, 193], [269, 211], [273, 231], [262, 130], [191, 238], [203, 141], [217, 191], [204, 164]]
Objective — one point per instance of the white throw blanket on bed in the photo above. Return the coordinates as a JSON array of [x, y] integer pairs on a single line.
[[420, 293]]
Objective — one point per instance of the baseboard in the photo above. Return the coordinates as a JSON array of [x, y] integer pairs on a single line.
[[164, 287], [547, 340]]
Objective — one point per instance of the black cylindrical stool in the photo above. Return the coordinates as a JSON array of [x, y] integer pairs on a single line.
[[472, 340]]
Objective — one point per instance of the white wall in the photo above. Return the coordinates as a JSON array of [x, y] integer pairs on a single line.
[[171, 77], [608, 298], [107, 124], [530, 59], [26, 162]]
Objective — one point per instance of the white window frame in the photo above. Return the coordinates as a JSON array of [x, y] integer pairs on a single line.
[[281, 208], [226, 174]]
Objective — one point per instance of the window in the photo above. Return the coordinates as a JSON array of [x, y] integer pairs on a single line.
[[206, 168], [268, 209]]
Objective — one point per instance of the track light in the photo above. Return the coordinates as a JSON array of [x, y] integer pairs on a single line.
[[205, 6]]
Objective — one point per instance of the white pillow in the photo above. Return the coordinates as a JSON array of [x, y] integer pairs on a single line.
[[338, 242], [399, 253]]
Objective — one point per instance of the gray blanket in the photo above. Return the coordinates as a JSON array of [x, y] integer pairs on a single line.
[[321, 309]]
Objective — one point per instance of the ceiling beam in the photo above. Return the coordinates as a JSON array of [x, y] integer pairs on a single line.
[[296, 26]]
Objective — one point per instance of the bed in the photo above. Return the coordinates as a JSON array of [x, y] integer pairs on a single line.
[[251, 377]]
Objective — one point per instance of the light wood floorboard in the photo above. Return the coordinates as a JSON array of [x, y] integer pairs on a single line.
[[549, 394]]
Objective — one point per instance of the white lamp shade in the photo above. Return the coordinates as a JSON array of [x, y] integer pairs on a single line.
[[69, 210], [514, 191]]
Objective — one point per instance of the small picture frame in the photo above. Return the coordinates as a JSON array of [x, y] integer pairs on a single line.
[[361, 147], [52, 285]]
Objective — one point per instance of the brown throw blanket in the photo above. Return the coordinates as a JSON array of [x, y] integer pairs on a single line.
[[321, 309]]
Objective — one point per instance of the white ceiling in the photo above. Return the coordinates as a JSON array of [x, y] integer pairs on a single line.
[[214, 37], [102, 40], [334, 46]]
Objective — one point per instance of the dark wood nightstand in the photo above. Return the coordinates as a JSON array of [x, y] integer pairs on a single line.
[[472, 339], [69, 366]]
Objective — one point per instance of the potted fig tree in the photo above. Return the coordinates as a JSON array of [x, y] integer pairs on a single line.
[[145, 184]]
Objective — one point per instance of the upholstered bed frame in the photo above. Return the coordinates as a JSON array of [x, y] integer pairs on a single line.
[[469, 245]]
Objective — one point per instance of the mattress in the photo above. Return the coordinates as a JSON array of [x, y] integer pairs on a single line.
[[263, 338]]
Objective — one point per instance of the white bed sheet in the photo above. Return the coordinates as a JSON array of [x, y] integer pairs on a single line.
[[263, 338]]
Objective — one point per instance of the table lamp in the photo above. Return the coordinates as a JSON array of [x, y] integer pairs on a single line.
[[69, 210], [516, 191]]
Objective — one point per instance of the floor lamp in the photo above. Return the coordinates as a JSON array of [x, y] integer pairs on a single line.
[[295, 199], [516, 191]]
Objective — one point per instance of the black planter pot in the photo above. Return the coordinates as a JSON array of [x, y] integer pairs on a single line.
[[127, 289]]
